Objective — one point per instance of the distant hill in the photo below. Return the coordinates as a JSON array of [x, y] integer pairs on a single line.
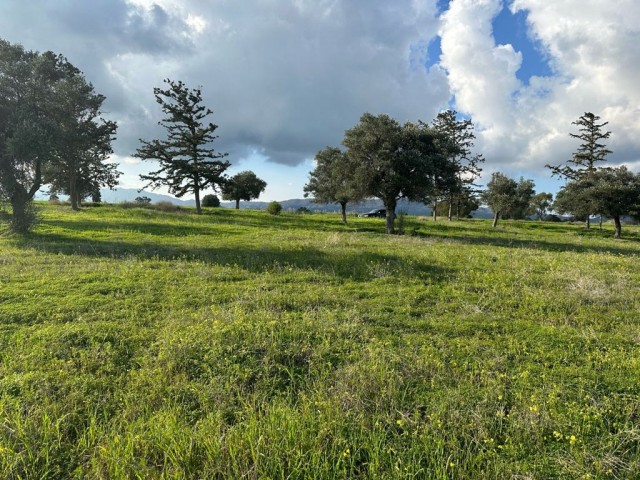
[[120, 195]]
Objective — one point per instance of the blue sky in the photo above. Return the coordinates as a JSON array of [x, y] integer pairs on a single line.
[[286, 78]]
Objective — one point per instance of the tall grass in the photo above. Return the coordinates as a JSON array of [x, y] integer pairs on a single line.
[[145, 344]]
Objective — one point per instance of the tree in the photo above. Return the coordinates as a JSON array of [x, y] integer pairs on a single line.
[[274, 208], [210, 201], [610, 191], [81, 165], [187, 163], [459, 138], [393, 161], [29, 107], [243, 186], [540, 204], [506, 197], [332, 180], [590, 152]]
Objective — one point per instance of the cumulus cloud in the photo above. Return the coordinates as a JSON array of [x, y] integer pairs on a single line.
[[284, 77], [592, 49]]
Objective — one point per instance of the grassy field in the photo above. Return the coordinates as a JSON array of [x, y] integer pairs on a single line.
[[145, 344]]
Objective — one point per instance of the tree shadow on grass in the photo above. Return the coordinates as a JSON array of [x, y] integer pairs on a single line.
[[346, 265], [537, 244]]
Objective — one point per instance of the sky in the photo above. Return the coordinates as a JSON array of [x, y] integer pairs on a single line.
[[286, 78]]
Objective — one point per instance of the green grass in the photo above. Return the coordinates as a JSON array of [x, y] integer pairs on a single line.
[[144, 344]]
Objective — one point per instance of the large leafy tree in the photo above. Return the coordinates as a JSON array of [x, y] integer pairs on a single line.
[[332, 180], [591, 151], [459, 138], [506, 197], [243, 186], [614, 192], [540, 204], [393, 161], [188, 163], [81, 165], [32, 87]]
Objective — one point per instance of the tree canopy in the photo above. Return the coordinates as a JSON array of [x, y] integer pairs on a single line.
[[188, 164], [243, 186], [506, 197]]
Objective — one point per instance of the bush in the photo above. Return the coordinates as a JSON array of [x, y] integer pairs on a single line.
[[303, 210], [210, 201], [274, 208]]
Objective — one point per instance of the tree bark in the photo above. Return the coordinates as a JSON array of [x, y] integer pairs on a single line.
[[450, 214], [495, 219], [618, 225], [434, 206], [588, 222], [73, 194], [391, 216], [237, 204], [196, 191], [343, 210]]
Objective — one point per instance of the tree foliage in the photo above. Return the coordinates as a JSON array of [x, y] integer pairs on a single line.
[[243, 186], [46, 119], [81, 166], [332, 180], [508, 198], [187, 162], [540, 204], [614, 192], [210, 200], [393, 161], [459, 139]]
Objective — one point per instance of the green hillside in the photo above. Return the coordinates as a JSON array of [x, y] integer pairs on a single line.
[[137, 343]]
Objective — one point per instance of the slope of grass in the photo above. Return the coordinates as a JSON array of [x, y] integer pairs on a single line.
[[145, 344]]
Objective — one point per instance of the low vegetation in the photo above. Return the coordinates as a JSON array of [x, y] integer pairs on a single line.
[[137, 343]]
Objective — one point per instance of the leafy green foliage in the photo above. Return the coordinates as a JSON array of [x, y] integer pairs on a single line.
[[609, 191], [210, 200], [540, 204], [243, 186], [508, 198], [274, 208], [333, 180], [187, 163]]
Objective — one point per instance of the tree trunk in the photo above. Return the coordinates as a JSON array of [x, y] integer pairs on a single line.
[[434, 206], [19, 221], [618, 224], [588, 222], [343, 210], [73, 194], [391, 215], [450, 214], [495, 219], [600, 222], [196, 191], [237, 204], [457, 209]]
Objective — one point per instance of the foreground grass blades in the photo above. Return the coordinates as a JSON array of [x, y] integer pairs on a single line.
[[145, 344]]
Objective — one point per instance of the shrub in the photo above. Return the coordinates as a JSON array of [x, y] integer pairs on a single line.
[[274, 208], [210, 201], [303, 210], [165, 206]]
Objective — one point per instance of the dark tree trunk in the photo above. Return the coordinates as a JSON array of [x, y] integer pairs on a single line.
[[450, 214], [391, 215], [343, 210], [618, 225], [588, 222], [196, 191], [73, 194], [495, 219], [434, 207], [237, 204], [600, 222]]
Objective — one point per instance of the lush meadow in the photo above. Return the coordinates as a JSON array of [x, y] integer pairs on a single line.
[[143, 344]]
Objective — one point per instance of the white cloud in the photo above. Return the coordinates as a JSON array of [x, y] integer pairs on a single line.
[[592, 48]]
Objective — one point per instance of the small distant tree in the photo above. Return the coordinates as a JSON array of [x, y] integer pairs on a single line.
[[210, 201], [540, 204], [142, 200], [332, 181], [187, 163], [505, 196], [274, 208], [243, 186]]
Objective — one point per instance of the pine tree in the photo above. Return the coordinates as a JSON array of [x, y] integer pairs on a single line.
[[187, 163]]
